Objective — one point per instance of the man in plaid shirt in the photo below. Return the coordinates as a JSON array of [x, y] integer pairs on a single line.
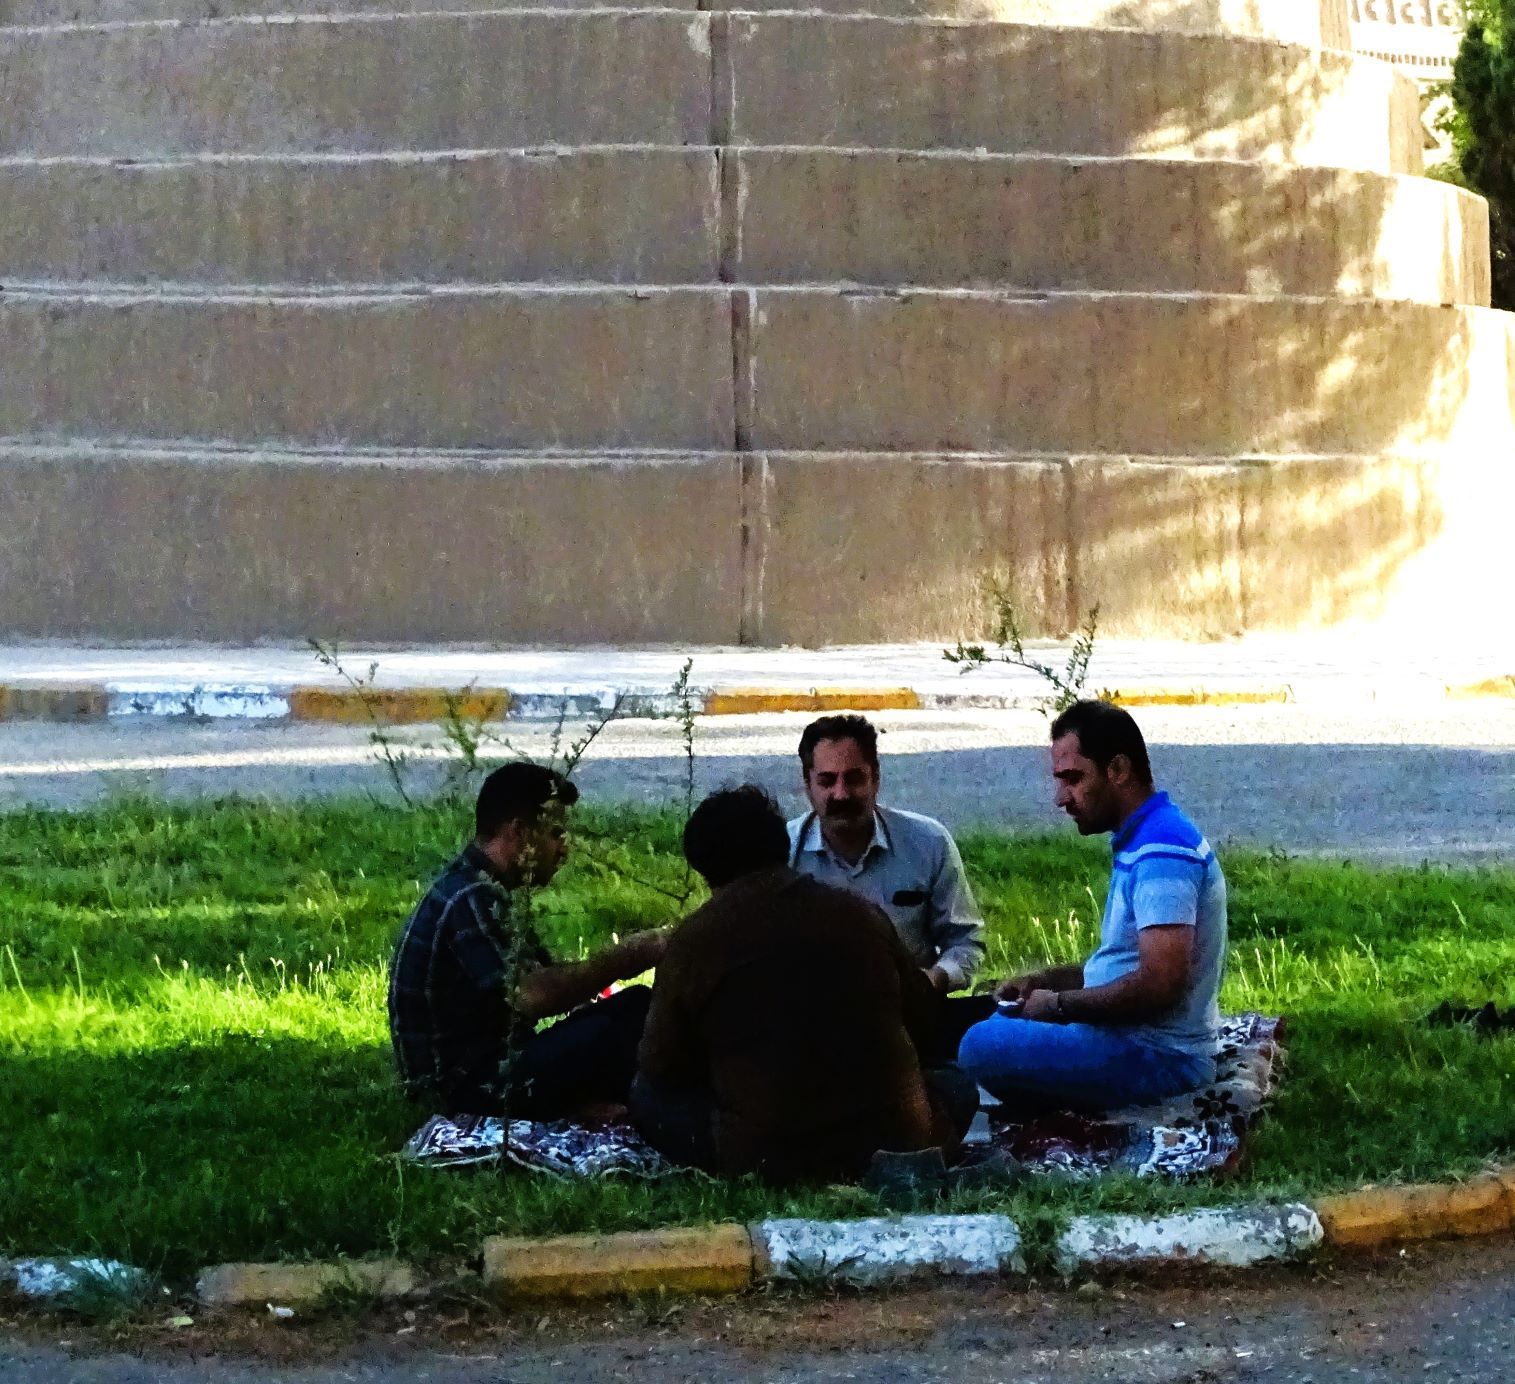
[[470, 978]]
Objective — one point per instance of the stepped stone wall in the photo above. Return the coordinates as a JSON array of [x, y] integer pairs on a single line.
[[583, 323]]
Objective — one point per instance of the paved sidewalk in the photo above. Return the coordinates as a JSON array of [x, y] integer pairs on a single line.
[[67, 682]]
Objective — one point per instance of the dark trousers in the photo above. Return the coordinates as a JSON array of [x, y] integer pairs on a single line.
[[954, 1100], [959, 1014], [587, 1058], [955, 1015], [680, 1122]]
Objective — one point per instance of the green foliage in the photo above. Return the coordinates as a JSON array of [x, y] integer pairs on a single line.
[[1066, 683], [1482, 128], [195, 1059]]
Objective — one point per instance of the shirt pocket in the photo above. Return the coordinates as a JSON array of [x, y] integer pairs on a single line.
[[907, 907]]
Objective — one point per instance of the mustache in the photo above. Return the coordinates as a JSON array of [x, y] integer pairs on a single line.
[[844, 809]]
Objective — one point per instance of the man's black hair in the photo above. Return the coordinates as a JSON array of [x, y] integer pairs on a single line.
[[519, 793], [734, 832], [858, 729], [1105, 730]]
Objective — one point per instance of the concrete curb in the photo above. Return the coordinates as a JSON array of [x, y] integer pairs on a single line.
[[1374, 1216], [704, 1259], [303, 1285], [879, 1251], [1226, 1236], [78, 702]]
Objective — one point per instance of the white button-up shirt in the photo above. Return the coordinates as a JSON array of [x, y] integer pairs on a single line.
[[913, 871]]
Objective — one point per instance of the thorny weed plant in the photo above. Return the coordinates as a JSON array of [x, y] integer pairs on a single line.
[[1067, 684], [396, 759], [471, 746]]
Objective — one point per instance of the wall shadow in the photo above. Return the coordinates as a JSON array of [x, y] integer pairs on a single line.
[[1298, 436]]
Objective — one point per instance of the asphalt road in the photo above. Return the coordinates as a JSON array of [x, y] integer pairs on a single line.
[[1404, 784], [1440, 1312]]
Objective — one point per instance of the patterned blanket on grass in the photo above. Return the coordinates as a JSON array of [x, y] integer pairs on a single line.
[[1196, 1134], [562, 1148], [1201, 1133]]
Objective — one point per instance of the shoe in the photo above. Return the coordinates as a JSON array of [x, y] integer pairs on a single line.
[[903, 1180], [1488, 1020], [997, 1170]]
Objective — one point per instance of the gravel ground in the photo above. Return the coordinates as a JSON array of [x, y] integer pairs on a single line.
[[1393, 785]]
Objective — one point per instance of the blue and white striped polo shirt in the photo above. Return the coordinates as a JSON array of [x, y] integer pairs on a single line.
[[1165, 872]]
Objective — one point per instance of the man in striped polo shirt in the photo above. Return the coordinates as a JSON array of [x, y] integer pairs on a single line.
[[1136, 1022]]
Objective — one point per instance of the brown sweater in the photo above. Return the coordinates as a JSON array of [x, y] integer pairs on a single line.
[[797, 1008]]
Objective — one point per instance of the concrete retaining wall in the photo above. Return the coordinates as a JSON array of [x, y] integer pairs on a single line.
[[358, 83], [786, 216], [815, 370], [1125, 374], [634, 215], [235, 545], [1131, 224], [875, 83], [471, 81], [407, 356], [558, 368], [1315, 23], [1240, 545]]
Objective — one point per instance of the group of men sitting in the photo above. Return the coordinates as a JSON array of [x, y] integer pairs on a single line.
[[804, 1019]]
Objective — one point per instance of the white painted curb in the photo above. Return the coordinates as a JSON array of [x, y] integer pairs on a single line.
[[1232, 1236], [597, 701], [56, 1280], [880, 1250], [219, 703]]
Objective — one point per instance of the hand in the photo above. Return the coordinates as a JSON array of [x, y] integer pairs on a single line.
[[1041, 1006], [643, 950], [1018, 987], [941, 982]]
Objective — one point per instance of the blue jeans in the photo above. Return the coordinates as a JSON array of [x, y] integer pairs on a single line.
[[1075, 1066]]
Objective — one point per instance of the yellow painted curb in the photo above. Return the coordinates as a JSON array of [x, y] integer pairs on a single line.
[[738, 701], [396, 706], [1489, 687], [1200, 696], [1382, 1215], [707, 1259], [288, 1285], [53, 703]]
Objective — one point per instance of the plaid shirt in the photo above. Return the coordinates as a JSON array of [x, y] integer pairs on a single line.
[[458, 955]]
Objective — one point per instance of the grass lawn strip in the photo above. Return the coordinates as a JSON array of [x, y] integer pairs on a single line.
[[196, 1064]]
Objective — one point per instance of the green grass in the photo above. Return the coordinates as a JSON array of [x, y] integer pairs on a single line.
[[195, 1065]]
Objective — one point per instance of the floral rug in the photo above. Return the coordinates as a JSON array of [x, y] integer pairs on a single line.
[[1198, 1134], [562, 1148], [1202, 1133]]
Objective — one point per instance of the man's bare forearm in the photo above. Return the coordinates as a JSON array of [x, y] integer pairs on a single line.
[[1132, 999], [1064, 977], [557, 989]]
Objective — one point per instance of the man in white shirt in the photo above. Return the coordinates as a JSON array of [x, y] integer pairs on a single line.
[[906, 864]]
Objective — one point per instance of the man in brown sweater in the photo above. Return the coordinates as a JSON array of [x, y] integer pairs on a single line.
[[786, 1019]]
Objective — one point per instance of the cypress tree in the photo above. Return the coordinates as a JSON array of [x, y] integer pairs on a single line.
[[1483, 129]]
